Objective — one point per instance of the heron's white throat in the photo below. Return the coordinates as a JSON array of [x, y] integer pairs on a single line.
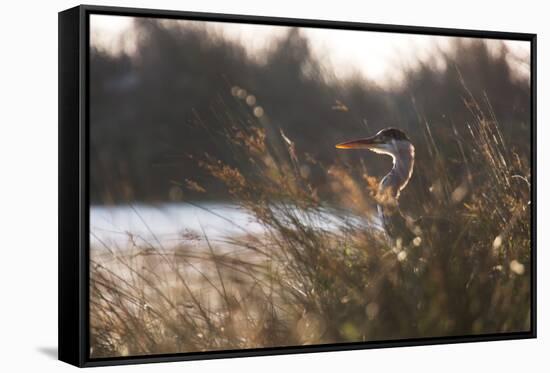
[[402, 154]]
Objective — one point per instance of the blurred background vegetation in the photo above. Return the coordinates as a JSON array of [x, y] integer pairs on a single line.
[[174, 98]]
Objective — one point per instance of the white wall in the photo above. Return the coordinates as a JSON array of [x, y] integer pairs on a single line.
[[28, 192]]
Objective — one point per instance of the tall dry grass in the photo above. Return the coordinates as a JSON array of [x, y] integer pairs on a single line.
[[322, 272]]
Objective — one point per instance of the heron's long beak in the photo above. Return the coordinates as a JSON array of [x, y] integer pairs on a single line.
[[367, 143]]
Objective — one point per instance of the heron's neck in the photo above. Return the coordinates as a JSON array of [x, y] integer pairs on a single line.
[[402, 153]]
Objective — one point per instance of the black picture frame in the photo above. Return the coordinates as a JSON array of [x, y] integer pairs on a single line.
[[73, 254]]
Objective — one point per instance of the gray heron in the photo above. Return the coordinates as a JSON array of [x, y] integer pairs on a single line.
[[396, 144]]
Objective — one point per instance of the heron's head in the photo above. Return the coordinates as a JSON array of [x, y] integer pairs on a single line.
[[387, 141]]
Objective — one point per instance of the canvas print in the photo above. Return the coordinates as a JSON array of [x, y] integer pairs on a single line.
[[255, 186]]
